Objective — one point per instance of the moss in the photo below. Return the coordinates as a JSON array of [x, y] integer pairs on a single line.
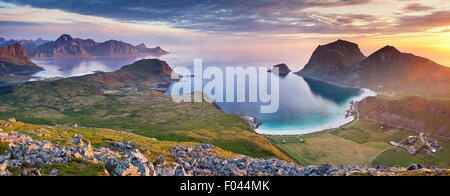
[[3, 147], [74, 168]]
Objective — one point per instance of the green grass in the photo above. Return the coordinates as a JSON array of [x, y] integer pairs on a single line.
[[363, 143], [74, 168], [357, 135], [394, 157], [147, 113], [98, 137], [3, 148]]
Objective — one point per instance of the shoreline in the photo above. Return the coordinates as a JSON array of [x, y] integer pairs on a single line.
[[333, 125]]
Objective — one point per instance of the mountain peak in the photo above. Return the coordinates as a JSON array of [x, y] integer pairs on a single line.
[[389, 49], [65, 37], [338, 44], [385, 54], [326, 59], [141, 46]]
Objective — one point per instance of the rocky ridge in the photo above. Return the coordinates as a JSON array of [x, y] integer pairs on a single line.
[[124, 159], [66, 46]]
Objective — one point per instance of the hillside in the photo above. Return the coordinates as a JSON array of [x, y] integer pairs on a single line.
[[127, 100], [66, 46], [420, 114], [14, 60], [73, 151]]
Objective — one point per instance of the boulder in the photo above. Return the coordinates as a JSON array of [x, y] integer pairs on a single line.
[[3, 166], [414, 167], [54, 172], [160, 161], [31, 172], [77, 140], [180, 171]]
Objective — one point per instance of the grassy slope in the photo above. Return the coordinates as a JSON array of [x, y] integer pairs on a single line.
[[150, 147], [361, 143], [421, 114], [147, 113]]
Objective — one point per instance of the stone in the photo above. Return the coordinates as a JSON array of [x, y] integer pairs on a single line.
[[77, 140], [123, 146], [137, 154], [160, 161], [12, 120], [414, 167], [125, 168], [324, 168], [31, 172], [54, 172], [180, 171], [3, 166], [111, 165]]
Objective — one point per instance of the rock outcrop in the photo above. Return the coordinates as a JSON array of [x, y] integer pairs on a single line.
[[280, 69], [123, 159], [14, 60]]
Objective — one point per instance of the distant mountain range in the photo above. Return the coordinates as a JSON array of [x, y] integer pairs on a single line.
[[342, 62], [28, 45], [14, 60], [66, 46]]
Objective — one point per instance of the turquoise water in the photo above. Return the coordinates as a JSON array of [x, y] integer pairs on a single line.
[[303, 103]]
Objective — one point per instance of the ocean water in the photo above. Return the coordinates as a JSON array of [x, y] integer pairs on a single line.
[[305, 105]]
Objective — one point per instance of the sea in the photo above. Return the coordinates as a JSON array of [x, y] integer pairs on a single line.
[[304, 105]]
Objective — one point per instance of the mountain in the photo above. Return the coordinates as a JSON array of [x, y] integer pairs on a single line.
[[343, 63], [332, 61], [142, 48], [14, 60], [391, 68], [66, 46], [143, 73], [28, 45], [113, 48]]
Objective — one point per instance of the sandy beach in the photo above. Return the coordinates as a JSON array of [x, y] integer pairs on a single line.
[[336, 124]]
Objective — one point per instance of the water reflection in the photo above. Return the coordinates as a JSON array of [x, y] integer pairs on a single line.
[[68, 67]]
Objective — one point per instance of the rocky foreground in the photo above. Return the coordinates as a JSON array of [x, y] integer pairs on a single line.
[[124, 159]]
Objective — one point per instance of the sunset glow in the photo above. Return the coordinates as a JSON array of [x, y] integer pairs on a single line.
[[289, 30]]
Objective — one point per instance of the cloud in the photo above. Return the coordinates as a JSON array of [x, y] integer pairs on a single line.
[[435, 19], [416, 7], [225, 16], [18, 23]]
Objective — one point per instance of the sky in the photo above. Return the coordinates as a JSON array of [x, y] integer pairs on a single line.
[[287, 30]]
